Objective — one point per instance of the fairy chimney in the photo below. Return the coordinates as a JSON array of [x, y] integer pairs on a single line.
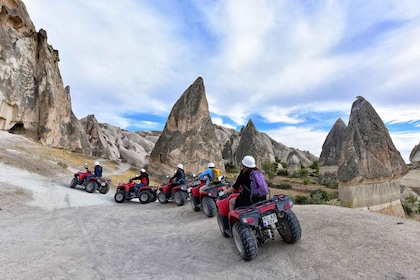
[[370, 166]]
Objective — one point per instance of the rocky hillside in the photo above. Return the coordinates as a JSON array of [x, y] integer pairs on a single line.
[[35, 103]]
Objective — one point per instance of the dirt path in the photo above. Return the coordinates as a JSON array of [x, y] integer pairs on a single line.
[[49, 231]]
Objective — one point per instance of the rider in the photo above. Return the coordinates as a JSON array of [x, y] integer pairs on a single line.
[[209, 173], [98, 169], [244, 198], [97, 172], [144, 180], [179, 177]]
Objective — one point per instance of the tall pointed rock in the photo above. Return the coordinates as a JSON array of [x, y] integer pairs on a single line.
[[189, 136], [370, 166], [331, 151]]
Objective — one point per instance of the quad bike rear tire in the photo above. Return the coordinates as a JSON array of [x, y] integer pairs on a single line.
[[73, 183], [245, 242], [119, 196], [91, 186], [144, 197], [194, 205], [104, 189], [209, 206], [179, 198], [289, 227], [154, 197], [162, 198]]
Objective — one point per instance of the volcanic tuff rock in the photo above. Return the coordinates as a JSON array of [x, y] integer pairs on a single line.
[[415, 156], [189, 136], [33, 100], [331, 151], [370, 166]]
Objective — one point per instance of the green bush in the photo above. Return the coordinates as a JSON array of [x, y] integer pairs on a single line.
[[411, 198], [285, 186], [301, 199], [407, 209], [320, 196], [330, 182], [282, 172]]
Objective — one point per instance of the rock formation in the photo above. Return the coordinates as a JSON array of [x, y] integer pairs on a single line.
[[33, 100], [189, 136], [415, 156], [113, 143], [370, 166], [331, 151]]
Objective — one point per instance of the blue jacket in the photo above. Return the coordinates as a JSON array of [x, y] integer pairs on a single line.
[[209, 173], [98, 171]]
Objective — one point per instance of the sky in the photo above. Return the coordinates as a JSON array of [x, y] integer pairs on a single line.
[[293, 67]]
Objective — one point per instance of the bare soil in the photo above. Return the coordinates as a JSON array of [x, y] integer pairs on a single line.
[[50, 231]]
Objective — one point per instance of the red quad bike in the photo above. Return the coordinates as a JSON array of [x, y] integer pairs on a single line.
[[255, 224], [91, 184], [206, 199], [145, 194], [179, 193]]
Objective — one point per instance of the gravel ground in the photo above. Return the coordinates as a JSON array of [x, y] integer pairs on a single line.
[[50, 231]]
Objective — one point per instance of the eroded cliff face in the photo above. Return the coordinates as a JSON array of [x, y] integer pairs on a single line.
[[33, 100]]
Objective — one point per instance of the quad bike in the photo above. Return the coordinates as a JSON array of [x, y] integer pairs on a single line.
[[179, 193], [145, 194], [91, 184], [255, 224], [206, 199]]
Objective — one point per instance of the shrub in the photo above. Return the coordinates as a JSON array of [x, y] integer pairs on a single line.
[[269, 169], [285, 186], [407, 209], [411, 198], [282, 172], [301, 199], [319, 196], [330, 182], [62, 164]]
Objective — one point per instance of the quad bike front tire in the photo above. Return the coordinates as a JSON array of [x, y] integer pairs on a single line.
[[289, 227], [194, 205], [144, 197], [221, 224], [91, 186], [162, 198], [119, 196], [209, 206], [179, 198], [104, 189], [245, 241], [73, 183]]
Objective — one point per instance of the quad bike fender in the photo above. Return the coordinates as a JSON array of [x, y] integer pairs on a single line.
[[195, 191], [223, 204]]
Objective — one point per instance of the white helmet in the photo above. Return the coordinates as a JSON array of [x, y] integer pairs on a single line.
[[180, 166], [143, 170], [86, 166], [211, 165], [248, 161], [96, 162]]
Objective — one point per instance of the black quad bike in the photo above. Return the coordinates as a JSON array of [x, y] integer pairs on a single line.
[[256, 224]]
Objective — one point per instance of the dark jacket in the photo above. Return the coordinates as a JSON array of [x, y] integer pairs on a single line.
[[245, 199], [98, 171], [179, 176]]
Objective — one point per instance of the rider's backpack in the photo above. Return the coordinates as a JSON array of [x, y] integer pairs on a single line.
[[217, 173], [258, 184]]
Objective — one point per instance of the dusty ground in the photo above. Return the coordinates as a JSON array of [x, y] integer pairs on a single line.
[[49, 231]]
